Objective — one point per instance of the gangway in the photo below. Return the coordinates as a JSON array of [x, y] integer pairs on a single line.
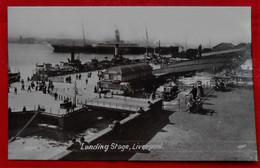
[[24, 127]]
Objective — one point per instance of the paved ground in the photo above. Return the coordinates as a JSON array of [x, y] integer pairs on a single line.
[[35, 98], [31, 100], [228, 134]]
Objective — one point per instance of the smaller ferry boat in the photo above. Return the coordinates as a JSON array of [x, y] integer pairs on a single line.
[[13, 76]]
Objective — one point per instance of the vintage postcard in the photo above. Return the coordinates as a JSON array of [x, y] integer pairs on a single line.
[[130, 83]]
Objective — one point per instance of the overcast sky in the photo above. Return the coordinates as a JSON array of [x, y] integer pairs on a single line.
[[170, 25]]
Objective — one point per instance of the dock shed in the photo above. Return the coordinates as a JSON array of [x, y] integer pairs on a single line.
[[112, 77]]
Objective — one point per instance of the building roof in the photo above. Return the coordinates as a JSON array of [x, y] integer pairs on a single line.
[[241, 45], [223, 46], [132, 69]]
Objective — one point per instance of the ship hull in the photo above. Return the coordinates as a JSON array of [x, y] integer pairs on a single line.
[[14, 77], [110, 49]]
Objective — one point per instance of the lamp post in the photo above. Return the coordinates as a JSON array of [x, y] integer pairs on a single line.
[[75, 93]]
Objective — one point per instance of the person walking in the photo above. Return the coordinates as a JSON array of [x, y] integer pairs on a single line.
[[82, 143], [9, 110], [194, 92], [15, 90], [32, 85], [198, 105], [24, 109], [55, 95], [22, 87], [99, 92], [190, 105], [29, 89]]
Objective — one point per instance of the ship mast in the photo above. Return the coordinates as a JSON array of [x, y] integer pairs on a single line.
[[84, 39], [117, 42], [146, 33], [186, 45], [75, 94]]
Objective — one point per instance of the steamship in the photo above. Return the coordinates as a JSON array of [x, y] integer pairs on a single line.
[[108, 48]]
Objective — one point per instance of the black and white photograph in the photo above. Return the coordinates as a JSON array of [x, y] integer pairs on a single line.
[[130, 84]]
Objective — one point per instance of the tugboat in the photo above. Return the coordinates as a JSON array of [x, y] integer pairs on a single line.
[[46, 70], [13, 76]]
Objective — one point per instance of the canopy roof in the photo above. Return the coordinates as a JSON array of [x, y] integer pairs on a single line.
[[132, 69]]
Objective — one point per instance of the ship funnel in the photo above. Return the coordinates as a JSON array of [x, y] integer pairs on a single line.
[[72, 56], [117, 36], [117, 42]]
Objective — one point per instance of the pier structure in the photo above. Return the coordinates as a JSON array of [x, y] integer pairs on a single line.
[[88, 103], [87, 97], [211, 60], [90, 106], [63, 119]]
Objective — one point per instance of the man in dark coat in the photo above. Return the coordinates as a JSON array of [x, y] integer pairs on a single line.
[[194, 92], [75, 145]]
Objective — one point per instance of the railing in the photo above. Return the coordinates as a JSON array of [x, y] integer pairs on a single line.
[[112, 105], [47, 110]]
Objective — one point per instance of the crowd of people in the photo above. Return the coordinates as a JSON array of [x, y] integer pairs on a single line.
[[68, 105], [34, 85]]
